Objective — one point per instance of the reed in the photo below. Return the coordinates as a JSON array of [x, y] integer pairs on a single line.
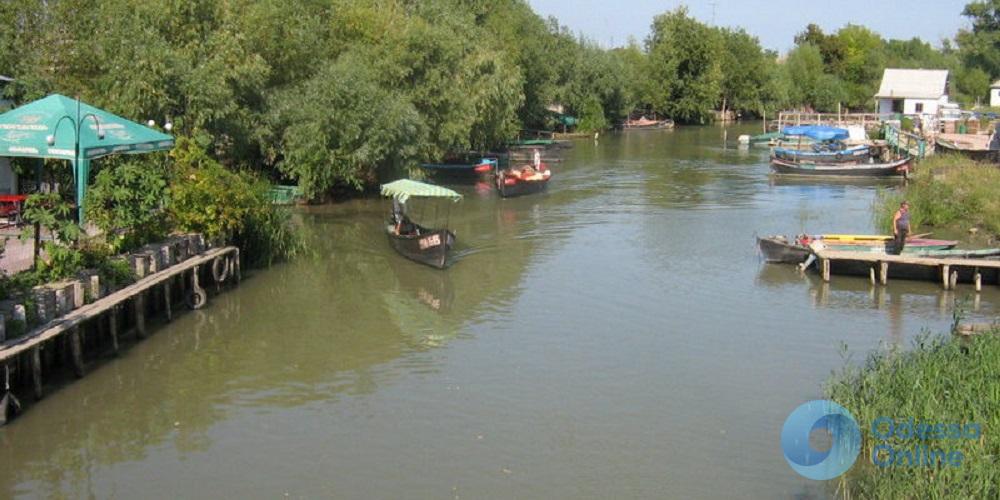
[[946, 191], [940, 380]]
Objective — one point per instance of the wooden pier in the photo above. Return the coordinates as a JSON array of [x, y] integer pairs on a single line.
[[164, 278], [880, 267]]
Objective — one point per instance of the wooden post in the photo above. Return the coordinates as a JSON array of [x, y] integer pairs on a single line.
[[166, 301], [113, 328], [883, 272], [36, 371], [826, 270], [978, 279], [76, 350], [945, 271], [871, 275], [953, 280], [140, 314]]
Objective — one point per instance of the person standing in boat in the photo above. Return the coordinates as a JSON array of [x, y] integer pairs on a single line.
[[900, 227], [537, 161]]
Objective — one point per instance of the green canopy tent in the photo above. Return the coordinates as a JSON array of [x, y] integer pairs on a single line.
[[37, 130]]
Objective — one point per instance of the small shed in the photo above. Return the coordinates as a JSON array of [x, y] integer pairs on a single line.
[[912, 91], [995, 94]]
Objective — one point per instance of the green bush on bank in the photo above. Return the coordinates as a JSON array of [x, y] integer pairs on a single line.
[[942, 380], [946, 191]]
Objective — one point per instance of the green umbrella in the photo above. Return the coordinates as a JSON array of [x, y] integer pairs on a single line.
[[66, 129]]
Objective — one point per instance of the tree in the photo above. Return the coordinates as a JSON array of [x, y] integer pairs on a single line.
[[745, 76], [810, 84], [684, 61], [980, 45]]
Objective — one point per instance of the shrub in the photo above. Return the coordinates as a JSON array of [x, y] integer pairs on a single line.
[[127, 202]]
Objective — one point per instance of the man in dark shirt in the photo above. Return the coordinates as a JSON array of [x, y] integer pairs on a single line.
[[900, 227]]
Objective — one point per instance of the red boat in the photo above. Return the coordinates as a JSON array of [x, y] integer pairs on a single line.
[[522, 180]]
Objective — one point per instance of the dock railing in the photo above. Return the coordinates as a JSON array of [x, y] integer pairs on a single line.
[[867, 120]]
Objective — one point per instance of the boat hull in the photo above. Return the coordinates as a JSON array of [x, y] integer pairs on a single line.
[[519, 187], [896, 168], [430, 246], [777, 249], [852, 155]]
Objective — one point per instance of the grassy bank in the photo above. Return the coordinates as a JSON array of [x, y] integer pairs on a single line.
[[947, 191], [941, 380]]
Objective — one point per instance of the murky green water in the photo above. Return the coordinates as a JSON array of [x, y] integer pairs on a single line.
[[615, 337]]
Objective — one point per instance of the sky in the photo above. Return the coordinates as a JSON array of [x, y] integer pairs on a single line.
[[774, 22]]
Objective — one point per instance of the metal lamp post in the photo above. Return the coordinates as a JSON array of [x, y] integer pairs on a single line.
[[77, 126]]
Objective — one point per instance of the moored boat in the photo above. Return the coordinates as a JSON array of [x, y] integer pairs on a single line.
[[519, 181], [893, 168], [482, 167], [778, 249], [824, 154], [644, 123], [781, 249], [430, 246]]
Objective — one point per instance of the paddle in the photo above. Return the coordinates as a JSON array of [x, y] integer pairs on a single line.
[[921, 235]]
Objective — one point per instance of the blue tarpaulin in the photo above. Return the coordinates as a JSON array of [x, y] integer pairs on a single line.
[[818, 132]]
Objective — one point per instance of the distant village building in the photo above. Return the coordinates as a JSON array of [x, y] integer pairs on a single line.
[[912, 91], [995, 94]]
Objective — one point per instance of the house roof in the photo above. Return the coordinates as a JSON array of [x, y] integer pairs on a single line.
[[914, 83], [996, 84]]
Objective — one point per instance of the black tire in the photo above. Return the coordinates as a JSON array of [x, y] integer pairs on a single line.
[[220, 269], [196, 299]]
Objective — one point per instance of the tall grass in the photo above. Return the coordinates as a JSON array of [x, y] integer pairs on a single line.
[[941, 380], [946, 191]]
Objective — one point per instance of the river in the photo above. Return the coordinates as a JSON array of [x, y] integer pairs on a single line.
[[617, 336]]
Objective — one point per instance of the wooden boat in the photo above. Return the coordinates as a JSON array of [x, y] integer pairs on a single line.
[[516, 181], [976, 147], [983, 253], [421, 244], [823, 155], [644, 123], [897, 167], [780, 249], [483, 167]]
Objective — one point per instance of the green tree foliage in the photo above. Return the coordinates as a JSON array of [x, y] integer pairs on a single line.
[[127, 202], [746, 79], [980, 45], [810, 85], [684, 61]]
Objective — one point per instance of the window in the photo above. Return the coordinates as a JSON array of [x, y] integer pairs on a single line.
[[897, 105], [918, 107]]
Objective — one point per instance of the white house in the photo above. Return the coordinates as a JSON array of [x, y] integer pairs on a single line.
[[995, 94], [912, 91]]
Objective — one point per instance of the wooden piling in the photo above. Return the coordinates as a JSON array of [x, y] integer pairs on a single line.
[[113, 328], [167, 312], [139, 304], [826, 269], [883, 272], [945, 275], [978, 280], [76, 350], [36, 371]]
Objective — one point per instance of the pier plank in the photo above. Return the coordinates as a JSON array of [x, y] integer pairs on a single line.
[[33, 340]]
